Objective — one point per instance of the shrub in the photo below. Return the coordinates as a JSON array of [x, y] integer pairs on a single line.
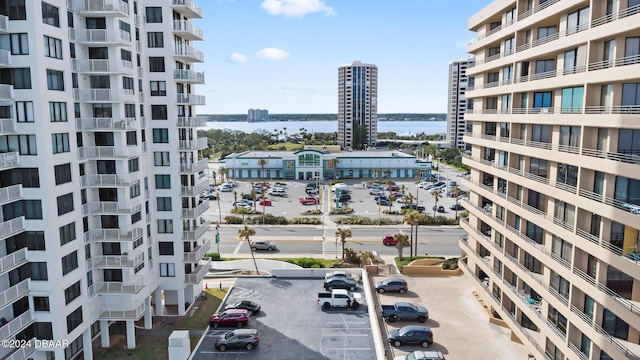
[[312, 212], [438, 220], [270, 219], [450, 264], [390, 212], [366, 221], [213, 256], [343, 210], [230, 219], [308, 263], [350, 256], [245, 211], [305, 221]]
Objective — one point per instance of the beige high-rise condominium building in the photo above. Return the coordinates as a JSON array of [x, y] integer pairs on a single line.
[[357, 105], [554, 208]]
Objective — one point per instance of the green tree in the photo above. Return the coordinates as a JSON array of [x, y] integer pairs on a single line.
[[412, 217], [245, 234], [224, 172], [215, 178], [332, 164], [456, 191], [387, 173], [253, 197], [436, 196], [365, 257], [402, 241], [342, 235]]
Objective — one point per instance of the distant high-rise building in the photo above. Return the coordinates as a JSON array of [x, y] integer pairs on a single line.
[[357, 105], [254, 115], [458, 83]]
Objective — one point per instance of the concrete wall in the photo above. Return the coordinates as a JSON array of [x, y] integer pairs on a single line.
[[311, 273]]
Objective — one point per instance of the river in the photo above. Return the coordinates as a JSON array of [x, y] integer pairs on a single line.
[[292, 127]]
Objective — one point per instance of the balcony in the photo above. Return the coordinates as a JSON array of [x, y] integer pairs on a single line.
[[11, 227], [195, 212], [198, 273], [4, 24], [109, 124], [102, 66], [116, 261], [10, 193], [616, 16], [186, 30], [6, 92], [22, 353], [192, 121], [9, 160], [112, 235], [7, 297], [95, 8], [188, 76], [196, 144], [194, 190], [187, 8], [103, 95], [101, 180], [619, 110], [191, 99], [198, 252], [188, 53], [130, 287], [16, 325], [122, 207], [194, 167], [5, 58], [613, 156], [13, 260], [100, 37], [101, 152], [197, 233], [7, 126], [121, 314]]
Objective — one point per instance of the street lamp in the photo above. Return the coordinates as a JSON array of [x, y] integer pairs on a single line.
[[218, 238]]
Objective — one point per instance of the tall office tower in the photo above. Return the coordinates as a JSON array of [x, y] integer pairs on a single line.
[[458, 82], [254, 115], [357, 105], [554, 208], [100, 169]]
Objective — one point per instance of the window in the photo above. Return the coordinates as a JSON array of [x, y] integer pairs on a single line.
[[96, 53], [154, 14], [631, 98], [619, 282], [132, 139], [156, 64], [60, 143], [544, 32], [20, 78], [50, 15], [52, 47], [69, 262], [165, 248], [572, 99], [542, 99], [17, 10], [41, 303], [569, 138], [65, 204], [58, 111], [102, 110], [556, 318], [134, 190], [167, 270], [158, 112], [136, 217], [155, 39], [19, 43], [127, 83], [134, 165], [74, 320], [631, 50], [125, 26], [67, 233], [163, 181], [158, 88], [71, 293], [161, 158], [74, 347], [559, 284], [55, 80], [164, 203], [125, 55], [130, 111], [571, 61], [30, 209], [627, 190], [538, 167], [552, 351], [24, 111], [165, 226], [629, 141], [545, 66], [62, 173], [39, 271], [578, 21], [567, 174], [160, 136], [100, 82], [614, 325], [96, 23]]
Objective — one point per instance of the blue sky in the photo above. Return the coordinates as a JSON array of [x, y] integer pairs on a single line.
[[283, 55]]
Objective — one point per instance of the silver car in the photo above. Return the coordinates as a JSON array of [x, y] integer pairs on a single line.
[[263, 245]]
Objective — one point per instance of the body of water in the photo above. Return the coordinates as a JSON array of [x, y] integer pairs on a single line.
[[292, 127]]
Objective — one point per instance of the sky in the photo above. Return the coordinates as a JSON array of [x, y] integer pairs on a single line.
[[283, 55]]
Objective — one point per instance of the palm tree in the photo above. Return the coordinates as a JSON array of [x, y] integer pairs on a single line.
[[242, 209], [412, 217], [365, 256], [456, 191], [374, 174], [331, 164], [253, 197], [223, 173], [235, 197], [402, 241], [387, 173], [245, 234], [215, 179], [343, 235], [380, 175], [219, 211], [436, 195], [391, 200], [262, 163]]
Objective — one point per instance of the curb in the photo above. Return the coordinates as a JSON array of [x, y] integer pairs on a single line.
[[204, 334]]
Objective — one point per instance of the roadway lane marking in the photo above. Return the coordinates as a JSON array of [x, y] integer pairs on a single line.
[[237, 249]]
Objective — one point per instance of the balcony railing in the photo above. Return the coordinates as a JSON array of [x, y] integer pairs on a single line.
[[10, 193], [123, 207], [132, 287], [98, 152], [192, 99], [189, 76], [6, 92], [197, 233], [16, 325], [189, 52], [13, 293], [22, 353], [121, 314], [187, 7], [103, 66], [604, 289], [117, 260], [536, 9], [7, 126], [100, 36], [4, 23], [5, 57], [192, 121], [196, 144], [101, 180], [198, 252], [112, 235], [198, 273], [197, 211], [194, 190], [621, 157], [102, 95], [105, 124], [91, 7], [621, 110], [187, 30], [10, 227], [616, 16], [194, 167]]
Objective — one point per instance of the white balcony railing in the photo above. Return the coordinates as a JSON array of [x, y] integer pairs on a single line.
[[101, 180], [133, 287], [117, 260], [193, 144], [197, 233], [6, 92], [198, 252], [129, 207], [13, 293], [16, 325], [9, 159], [197, 211], [10, 227], [100, 36], [187, 29], [194, 167], [188, 51], [187, 7], [188, 76], [191, 99], [92, 152], [192, 121], [198, 273], [121, 314], [106, 124], [112, 235], [22, 353], [194, 190], [7, 126], [90, 7], [5, 57], [102, 66], [4, 23], [10, 193]]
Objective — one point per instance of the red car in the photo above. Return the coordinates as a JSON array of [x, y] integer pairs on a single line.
[[231, 317], [389, 240], [265, 202], [308, 200]]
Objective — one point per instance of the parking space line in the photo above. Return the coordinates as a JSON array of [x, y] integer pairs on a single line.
[[363, 349]]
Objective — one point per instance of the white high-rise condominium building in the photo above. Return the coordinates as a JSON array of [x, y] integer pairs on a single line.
[[357, 105], [554, 208], [254, 115], [100, 169], [458, 82]]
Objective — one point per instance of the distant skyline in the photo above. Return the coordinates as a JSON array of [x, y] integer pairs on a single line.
[[283, 55]]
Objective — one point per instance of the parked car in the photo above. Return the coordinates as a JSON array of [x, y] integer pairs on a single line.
[[383, 202], [421, 355], [453, 183], [265, 202], [376, 191], [456, 207], [343, 197], [338, 298], [276, 191], [239, 338], [339, 274], [397, 194], [307, 200], [340, 283], [393, 188], [392, 284], [411, 334], [438, 208], [420, 208], [263, 245], [233, 317], [423, 184], [243, 204], [312, 191], [378, 197], [225, 188], [404, 311], [250, 306], [437, 188], [212, 196], [388, 240]]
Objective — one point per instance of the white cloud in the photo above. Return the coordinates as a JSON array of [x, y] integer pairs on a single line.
[[296, 8], [272, 54], [238, 58]]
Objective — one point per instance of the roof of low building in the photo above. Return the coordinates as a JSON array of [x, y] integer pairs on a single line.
[[262, 154]]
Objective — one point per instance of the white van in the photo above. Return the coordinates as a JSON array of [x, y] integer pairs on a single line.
[[341, 186]]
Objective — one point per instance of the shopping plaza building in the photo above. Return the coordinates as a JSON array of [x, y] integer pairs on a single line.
[[554, 209], [100, 170]]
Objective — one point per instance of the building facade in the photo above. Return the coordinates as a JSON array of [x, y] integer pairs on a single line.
[[254, 115], [309, 164], [554, 208], [101, 95], [357, 105], [458, 82]]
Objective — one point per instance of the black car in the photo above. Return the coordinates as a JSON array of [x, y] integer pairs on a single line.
[[439, 209], [456, 207], [340, 283], [239, 338], [343, 197], [420, 208], [250, 306], [411, 334]]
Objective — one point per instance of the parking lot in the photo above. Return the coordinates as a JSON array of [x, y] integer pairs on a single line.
[[460, 325], [292, 326]]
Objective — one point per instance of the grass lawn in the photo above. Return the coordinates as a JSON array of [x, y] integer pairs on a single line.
[[152, 347], [289, 145], [406, 260]]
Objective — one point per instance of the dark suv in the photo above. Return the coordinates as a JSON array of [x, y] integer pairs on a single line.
[[420, 208], [239, 338], [411, 334], [392, 284]]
